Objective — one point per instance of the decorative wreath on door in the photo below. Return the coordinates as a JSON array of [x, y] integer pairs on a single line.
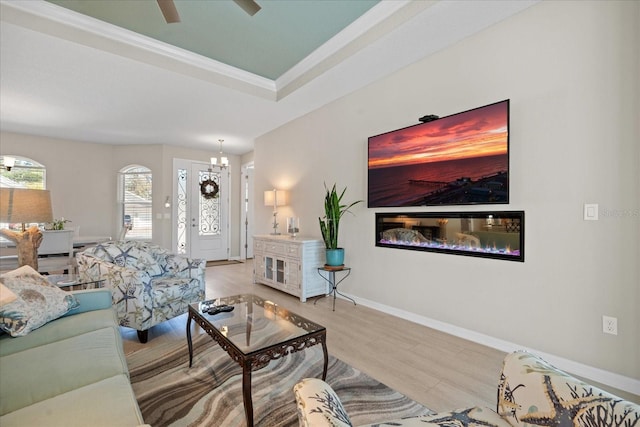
[[209, 189]]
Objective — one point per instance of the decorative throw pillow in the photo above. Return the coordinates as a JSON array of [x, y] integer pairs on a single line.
[[38, 302]]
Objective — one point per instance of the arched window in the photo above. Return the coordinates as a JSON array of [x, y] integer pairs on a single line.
[[135, 197], [21, 172], [24, 173]]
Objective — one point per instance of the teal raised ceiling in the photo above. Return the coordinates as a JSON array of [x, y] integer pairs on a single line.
[[267, 44]]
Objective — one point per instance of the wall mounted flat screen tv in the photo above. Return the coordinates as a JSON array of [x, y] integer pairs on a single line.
[[462, 159]]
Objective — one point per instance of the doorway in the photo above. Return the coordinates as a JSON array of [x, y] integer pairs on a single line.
[[246, 220], [201, 210]]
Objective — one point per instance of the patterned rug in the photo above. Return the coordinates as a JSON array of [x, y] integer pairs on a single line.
[[210, 393]]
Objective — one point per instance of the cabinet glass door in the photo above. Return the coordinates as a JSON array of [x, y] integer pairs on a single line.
[[268, 268], [280, 271]]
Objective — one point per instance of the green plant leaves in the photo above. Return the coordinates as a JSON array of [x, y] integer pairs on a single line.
[[333, 212]]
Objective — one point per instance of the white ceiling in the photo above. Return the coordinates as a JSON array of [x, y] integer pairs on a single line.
[[66, 75]]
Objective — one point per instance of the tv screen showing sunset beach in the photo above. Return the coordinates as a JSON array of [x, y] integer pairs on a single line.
[[455, 160]]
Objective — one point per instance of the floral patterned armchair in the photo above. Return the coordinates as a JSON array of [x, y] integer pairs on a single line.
[[531, 393], [149, 284]]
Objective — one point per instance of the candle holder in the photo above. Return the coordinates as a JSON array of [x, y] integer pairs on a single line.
[[293, 226]]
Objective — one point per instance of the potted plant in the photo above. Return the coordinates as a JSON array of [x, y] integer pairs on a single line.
[[329, 224], [58, 224]]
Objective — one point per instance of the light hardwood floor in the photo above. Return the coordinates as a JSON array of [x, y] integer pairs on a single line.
[[438, 370], [433, 368]]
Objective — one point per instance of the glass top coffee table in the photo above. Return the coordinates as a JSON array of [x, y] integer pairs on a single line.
[[73, 282], [254, 333]]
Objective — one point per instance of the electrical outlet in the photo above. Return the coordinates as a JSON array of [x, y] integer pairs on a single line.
[[610, 325]]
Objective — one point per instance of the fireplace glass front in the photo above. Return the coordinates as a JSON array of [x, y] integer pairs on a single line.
[[493, 234]]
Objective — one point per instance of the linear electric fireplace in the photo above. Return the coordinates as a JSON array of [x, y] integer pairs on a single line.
[[491, 234]]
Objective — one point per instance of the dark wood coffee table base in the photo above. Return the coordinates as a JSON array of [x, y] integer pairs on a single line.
[[258, 359]]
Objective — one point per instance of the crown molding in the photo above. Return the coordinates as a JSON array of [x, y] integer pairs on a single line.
[[48, 18], [356, 29]]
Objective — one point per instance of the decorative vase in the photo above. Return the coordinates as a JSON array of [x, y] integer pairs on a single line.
[[293, 226], [335, 257]]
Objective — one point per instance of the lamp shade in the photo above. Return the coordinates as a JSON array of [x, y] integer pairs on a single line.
[[25, 205], [276, 197]]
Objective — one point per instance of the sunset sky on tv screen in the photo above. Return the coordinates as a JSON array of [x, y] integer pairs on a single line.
[[476, 133]]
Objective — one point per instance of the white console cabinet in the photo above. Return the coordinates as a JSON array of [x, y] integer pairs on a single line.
[[289, 264]]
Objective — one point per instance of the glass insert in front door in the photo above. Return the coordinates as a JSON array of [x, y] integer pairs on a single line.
[[209, 203]]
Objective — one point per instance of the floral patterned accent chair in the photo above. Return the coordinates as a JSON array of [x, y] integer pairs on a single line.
[[531, 393], [318, 405], [149, 284]]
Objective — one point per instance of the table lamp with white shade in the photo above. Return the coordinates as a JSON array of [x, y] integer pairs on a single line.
[[275, 198]]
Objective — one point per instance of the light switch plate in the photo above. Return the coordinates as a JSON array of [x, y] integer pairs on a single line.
[[590, 211]]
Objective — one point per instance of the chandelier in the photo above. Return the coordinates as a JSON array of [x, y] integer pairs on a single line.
[[223, 162]]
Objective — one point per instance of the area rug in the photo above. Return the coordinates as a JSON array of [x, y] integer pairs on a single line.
[[210, 393]]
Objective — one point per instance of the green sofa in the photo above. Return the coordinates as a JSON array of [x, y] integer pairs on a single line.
[[69, 372], [530, 393]]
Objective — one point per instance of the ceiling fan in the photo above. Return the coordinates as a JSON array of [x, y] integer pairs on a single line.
[[171, 15]]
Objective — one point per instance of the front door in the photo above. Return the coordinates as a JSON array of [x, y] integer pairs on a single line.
[[209, 212]]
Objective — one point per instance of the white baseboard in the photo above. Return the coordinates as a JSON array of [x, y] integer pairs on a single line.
[[611, 379]]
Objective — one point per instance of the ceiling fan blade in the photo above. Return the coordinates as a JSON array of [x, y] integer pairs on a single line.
[[169, 11], [249, 6]]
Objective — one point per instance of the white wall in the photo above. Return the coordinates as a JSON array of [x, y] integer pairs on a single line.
[[82, 178], [571, 71]]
